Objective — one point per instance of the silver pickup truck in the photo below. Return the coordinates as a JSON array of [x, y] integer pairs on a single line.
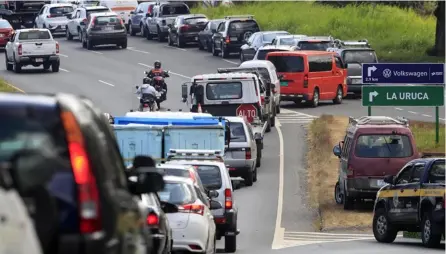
[[34, 47]]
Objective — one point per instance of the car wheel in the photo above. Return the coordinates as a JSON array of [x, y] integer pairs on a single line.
[[208, 46], [142, 30], [347, 201], [278, 109], [268, 125], [68, 34], [214, 51], [200, 45], [230, 244], [160, 35], [273, 118], [315, 101], [339, 95], [338, 194], [149, 36], [180, 43], [17, 67], [169, 40], [224, 52], [55, 66], [9, 66], [429, 235], [124, 45], [383, 230], [46, 66], [84, 42], [242, 57], [255, 175], [131, 31], [249, 178], [89, 44]]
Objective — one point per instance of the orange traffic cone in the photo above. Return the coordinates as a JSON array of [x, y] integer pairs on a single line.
[[199, 108]]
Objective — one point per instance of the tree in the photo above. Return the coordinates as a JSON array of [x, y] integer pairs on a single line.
[[439, 34]]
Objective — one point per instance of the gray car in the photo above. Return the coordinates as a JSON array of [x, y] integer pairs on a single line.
[[243, 155]]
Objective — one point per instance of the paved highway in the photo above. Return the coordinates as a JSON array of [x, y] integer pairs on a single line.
[[272, 213]]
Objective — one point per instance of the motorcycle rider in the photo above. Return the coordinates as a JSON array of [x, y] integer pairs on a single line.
[[157, 71], [145, 90]]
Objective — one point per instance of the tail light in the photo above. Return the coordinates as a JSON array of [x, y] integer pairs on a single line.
[[248, 154], [146, 105], [228, 199], [152, 220], [84, 20], [197, 209], [262, 99], [122, 22], [350, 172], [184, 28], [150, 9], [87, 192], [49, 16], [228, 39], [192, 175], [57, 48], [19, 49], [93, 22], [306, 81]]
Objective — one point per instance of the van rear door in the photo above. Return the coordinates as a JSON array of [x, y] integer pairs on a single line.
[[292, 67]]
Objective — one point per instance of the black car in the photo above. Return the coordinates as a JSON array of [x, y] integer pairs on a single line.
[[205, 35], [232, 34], [157, 222], [103, 29], [185, 29], [80, 209]]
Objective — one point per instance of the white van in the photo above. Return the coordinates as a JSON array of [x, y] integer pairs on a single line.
[[122, 8]]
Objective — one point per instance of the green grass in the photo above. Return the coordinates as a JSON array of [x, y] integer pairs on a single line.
[[397, 35], [4, 87], [424, 134]]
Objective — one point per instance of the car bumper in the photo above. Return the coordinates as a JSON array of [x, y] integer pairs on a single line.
[[38, 59], [56, 28], [294, 97], [226, 224], [189, 37], [363, 187], [193, 235], [88, 244], [233, 47], [107, 39], [3, 42]]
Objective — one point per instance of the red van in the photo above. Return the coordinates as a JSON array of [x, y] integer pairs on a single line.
[[310, 76]]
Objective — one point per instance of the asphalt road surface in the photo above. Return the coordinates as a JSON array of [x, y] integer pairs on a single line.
[[273, 216]]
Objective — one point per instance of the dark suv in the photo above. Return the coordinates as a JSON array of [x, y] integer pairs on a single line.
[[185, 29], [86, 205], [103, 29], [232, 34]]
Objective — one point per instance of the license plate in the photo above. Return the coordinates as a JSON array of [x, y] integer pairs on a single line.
[[39, 60], [108, 28], [380, 183], [283, 83], [233, 38]]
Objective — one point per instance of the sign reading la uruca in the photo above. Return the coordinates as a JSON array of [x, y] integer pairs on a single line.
[[403, 73], [403, 95]]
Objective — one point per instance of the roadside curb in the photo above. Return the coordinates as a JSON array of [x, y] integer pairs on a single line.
[[12, 86]]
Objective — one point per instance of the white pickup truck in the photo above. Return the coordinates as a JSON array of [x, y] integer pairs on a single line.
[[34, 47]]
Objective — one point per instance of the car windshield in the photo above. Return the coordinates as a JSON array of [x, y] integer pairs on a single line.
[[312, 45], [224, 91], [383, 146], [269, 37], [195, 20], [61, 10], [360, 56], [168, 10], [176, 193], [237, 132], [210, 176], [175, 172], [5, 24], [287, 63], [261, 55], [34, 35]]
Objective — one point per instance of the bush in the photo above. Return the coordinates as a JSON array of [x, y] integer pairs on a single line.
[[398, 35]]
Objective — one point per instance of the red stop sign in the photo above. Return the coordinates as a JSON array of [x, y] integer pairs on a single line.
[[248, 111]]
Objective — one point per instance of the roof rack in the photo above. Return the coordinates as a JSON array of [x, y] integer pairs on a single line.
[[329, 38], [378, 120], [186, 154], [240, 16], [253, 70], [360, 43]]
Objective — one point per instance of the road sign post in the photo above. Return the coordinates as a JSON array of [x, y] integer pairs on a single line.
[[421, 96], [248, 111]]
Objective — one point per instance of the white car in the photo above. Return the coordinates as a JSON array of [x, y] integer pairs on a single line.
[[193, 227], [74, 27], [54, 17], [287, 40]]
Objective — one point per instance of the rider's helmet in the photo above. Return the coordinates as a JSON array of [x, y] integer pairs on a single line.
[[146, 81], [157, 64]]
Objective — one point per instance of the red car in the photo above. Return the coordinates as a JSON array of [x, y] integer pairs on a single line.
[[6, 32]]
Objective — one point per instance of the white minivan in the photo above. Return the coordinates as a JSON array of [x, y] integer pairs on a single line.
[[122, 8]]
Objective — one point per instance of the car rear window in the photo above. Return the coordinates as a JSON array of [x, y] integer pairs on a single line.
[[97, 11], [287, 63], [262, 53], [5, 24], [175, 172], [359, 56], [383, 146], [312, 45], [287, 41], [242, 26], [269, 37], [34, 35], [168, 10], [176, 193], [107, 20], [210, 176], [237, 132], [224, 91], [195, 20], [61, 10]]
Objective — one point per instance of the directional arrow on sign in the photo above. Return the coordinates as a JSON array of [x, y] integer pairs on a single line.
[[370, 70], [372, 95]]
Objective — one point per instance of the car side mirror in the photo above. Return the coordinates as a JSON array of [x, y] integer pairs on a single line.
[[214, 205], [337, 151], [168, 207], [213, 194], [389, 179], [184, 92], [82, 23], [145, 181]]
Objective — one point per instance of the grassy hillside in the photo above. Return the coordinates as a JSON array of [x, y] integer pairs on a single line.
[[397, 35]]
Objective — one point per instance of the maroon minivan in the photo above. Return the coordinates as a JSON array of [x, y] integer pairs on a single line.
[[373, 147]]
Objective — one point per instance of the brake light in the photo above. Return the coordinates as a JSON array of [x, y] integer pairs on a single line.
[[93, 21], [19, 49], [228, 199], [197, 209], [248, 154], [350, 172], [87, 192], [184, 28], [84, 20], [146, 105], [122, 22], [306, 81], [262, 99], [192, 175], [57, 47], [49, 16], [152, 220], [228, 39], [150, 9]]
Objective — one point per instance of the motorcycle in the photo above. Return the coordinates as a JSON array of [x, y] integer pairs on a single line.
[[157, 82], [148, 102]]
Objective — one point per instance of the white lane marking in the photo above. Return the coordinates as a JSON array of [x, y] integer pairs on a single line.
[[103, 82], [279, 231], [231, 62], [63, 70], [139, 51], [410, 85], [318, 234], [174, 73], [96, 52], [426, 115], [415, 113], [63, 55], [442, 119], [398, 108], [176, 48]]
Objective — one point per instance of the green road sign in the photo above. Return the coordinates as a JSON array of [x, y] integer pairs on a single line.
[[422, 95]]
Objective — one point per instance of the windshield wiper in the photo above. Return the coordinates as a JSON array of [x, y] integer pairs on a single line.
[[387, 144]]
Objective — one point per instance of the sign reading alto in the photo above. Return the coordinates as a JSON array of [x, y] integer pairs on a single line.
[[432, 96], [403, 73]]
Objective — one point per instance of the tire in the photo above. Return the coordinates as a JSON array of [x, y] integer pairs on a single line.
[[208, 46], [339, 94], [273, 119], [259, 160], [338, 194], [169, 40], [68, 34], [131, 31], [200, 46], [79, 34], [230, 244], [17, 67], [84, 42], [242, 57], [180, 43], [268, 126], [429, 235], [89, 44], [383, 230], [278, 109], [149, 36], [347, 201], [315, 101], [160, 37], [214, 51], [46, 66], [55, 66], [224, 53], [142, 30], [249, 178], [124, 45], [254, 179], [8, 65]]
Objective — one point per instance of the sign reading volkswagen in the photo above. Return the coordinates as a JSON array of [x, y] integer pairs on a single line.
[[403, 73]]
